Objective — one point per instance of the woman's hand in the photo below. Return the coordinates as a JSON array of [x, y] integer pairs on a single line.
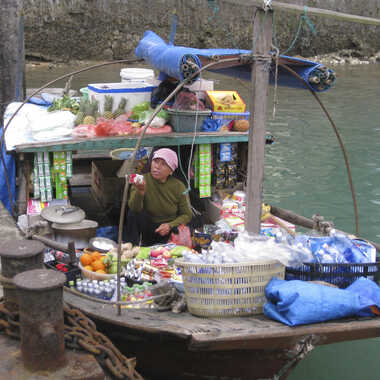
[[163, 229], [140, 187]]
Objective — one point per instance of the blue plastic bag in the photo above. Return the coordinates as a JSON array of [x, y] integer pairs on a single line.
[[337, 249], [110, 232], [298, 302]]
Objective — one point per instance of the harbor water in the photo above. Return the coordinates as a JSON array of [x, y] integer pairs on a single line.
[[305, 172]]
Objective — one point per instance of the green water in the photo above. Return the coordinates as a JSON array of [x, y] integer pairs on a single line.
[[305, 173]]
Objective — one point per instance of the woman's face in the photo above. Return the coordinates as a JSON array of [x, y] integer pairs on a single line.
[[160, 170]]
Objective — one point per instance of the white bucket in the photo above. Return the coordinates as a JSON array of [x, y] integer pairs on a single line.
[[137, 75], [134, 92]]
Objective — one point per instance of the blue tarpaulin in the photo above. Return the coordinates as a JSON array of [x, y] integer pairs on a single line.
[[299, 302], [176, 61], [10, 166]]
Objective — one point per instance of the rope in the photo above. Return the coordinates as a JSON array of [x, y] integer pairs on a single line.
[[276, 56], [215, 9], [303, 19]]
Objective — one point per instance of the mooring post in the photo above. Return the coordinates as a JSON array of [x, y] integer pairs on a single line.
[[41, 319], [16, 257], [11, 53]]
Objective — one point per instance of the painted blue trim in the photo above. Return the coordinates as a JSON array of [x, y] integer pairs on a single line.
[[121, 90]]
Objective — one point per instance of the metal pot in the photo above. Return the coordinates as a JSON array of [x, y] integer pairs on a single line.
[[80, 233]]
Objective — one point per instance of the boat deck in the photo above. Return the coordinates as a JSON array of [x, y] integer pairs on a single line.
[[213, 334]]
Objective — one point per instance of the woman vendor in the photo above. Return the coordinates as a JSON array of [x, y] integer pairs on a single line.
[[158, 203]]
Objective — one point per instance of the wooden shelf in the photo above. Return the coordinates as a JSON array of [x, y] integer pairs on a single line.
[[110, 143]]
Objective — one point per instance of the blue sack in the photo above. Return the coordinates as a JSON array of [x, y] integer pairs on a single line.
[[211, 125], [110, 232], [298, 302]]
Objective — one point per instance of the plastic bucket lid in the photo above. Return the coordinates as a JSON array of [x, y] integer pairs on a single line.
[[84, 92], [138, 74]]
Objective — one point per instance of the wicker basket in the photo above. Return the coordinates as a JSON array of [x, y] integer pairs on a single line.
[[227, 290]]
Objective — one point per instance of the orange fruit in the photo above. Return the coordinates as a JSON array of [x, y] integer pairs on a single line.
[[96, 255], [86, 259], [98, 264], [101, 271], [89, 267]]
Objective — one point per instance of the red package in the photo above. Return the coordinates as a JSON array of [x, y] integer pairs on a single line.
[[183, 237]]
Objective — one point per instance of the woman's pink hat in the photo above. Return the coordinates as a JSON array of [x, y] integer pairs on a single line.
[[169, 156]]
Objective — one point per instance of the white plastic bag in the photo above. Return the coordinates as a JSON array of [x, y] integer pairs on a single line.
[[52, 125]]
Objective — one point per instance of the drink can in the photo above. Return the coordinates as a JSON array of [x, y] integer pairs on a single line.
[[108, 293]]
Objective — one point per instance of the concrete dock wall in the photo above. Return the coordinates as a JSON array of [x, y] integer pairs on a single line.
[[111, 29]]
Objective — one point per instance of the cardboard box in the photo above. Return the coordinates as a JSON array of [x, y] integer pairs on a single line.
[[213, 211], [106, 187], [225, 101]]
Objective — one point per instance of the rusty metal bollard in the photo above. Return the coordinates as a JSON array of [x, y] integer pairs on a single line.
[[41, 318], [17, 257]]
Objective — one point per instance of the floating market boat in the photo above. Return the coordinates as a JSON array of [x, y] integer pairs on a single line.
[[184, 346]]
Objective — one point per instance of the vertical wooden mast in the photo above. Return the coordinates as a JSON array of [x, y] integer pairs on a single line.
[[262, 38]]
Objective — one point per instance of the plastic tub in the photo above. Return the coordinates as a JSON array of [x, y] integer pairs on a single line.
[[134, 92], [134, 74], [184, 121]]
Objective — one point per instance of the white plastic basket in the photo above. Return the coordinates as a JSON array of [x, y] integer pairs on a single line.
[[227, 290]]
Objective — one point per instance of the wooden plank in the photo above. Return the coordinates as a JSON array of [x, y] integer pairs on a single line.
[[300, 9], [262, 38], [111, 143]]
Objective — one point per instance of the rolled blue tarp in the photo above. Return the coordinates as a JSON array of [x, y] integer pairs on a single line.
[[175, 62]]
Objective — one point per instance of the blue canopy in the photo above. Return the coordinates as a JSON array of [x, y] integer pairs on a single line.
[[179, 62]]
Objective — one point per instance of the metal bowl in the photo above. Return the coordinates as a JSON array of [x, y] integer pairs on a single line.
[[102, 244]]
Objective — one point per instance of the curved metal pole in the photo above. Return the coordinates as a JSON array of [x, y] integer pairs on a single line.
[[339, 140]]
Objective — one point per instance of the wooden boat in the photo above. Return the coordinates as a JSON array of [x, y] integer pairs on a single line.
[[182, 346]]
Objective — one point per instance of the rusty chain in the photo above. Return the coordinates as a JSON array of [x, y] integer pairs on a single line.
[[80, 333]]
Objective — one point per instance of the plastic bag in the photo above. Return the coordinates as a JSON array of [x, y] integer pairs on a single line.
[[337, 248], [183, 237], [52, 125], [159, 120], [187, 100], [300, 302]]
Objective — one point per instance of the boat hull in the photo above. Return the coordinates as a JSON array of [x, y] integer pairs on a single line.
[[182, 346]]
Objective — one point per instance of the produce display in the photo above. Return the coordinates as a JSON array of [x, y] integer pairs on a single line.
[[66, 103]]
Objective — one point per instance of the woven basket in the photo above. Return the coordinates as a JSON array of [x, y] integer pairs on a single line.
[[227, 290]]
